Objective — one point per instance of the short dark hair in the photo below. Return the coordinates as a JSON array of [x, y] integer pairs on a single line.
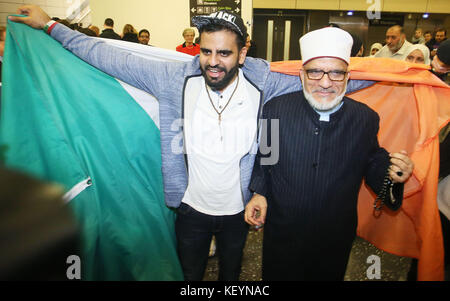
[[109, 22], [219, 25], [400, 28], [333, 25], [144, 30]]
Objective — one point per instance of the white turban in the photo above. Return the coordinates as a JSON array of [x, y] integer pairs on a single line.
[[326, 42]]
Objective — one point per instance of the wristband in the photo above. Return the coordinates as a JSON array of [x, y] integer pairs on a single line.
[[49, 26]]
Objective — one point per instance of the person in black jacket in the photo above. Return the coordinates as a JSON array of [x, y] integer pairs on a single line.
[[108, 32], [251, 47], [439, 37], [129, 34], [327, 144]]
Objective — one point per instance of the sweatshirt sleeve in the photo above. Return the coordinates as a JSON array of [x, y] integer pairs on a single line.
[[147, 75]]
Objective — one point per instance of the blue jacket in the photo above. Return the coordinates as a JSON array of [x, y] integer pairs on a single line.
[[167, 82]]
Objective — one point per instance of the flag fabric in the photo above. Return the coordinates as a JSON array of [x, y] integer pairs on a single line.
[[413, 105], [64, 121]]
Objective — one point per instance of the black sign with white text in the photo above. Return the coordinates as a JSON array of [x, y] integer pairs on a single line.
[[206, 7]]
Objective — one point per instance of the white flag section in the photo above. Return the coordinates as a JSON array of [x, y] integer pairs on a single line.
[[144, 99], [150, 52]]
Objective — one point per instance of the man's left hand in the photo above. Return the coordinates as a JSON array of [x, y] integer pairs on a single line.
[[401, 167]]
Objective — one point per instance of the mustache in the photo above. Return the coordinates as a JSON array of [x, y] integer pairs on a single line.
[[216, 67], [324, 91]]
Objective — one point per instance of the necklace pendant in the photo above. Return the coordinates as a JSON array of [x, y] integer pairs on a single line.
[[220, 118]]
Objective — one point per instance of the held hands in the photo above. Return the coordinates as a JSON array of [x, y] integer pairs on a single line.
[[401, 167], [36, 17], [255, 211]]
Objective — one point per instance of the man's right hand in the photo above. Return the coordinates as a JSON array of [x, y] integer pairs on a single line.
[[255, 211], [438, 66], [36, 17]]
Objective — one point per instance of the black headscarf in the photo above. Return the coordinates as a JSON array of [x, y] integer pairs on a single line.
[[357, 43]]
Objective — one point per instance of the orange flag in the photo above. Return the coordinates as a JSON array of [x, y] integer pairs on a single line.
[[413, 105]]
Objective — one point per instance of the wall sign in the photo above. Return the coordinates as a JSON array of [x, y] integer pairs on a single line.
[[206, 7]]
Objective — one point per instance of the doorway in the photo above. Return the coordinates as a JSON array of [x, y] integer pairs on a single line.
[[277, 33]]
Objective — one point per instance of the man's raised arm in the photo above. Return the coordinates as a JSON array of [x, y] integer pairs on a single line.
[[141, 73]]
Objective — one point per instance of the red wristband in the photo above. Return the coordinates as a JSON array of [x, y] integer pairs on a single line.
[[49, 30]]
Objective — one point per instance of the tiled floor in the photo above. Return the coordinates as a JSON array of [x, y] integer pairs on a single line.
[[393, 268]]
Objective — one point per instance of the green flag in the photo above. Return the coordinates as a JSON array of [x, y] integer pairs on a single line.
[[64, 121]]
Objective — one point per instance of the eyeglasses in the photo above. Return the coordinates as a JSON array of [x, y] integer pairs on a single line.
[[334, 75]]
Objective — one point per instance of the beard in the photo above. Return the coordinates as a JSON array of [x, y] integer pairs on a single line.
[[219, 84], [396, 47], [324, 106]]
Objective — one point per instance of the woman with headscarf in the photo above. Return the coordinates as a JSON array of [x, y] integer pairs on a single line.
[[375, 48], [419, 54]]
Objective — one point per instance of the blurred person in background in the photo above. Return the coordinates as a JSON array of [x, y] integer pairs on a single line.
[[357, 47], [418, 38], [419, 54], [251, 47], [189, 47], [396, 44], [108, 32], [427, 36], [129, 34], [439, 37], [95, 29], [375, 48], [144, 37]]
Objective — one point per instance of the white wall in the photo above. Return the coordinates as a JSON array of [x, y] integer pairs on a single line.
[[54, 8], [165, 20]]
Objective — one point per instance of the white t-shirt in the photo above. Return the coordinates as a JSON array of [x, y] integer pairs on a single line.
[[214, 150]]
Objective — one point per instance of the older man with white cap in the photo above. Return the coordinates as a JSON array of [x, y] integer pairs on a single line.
[[327, 144]]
